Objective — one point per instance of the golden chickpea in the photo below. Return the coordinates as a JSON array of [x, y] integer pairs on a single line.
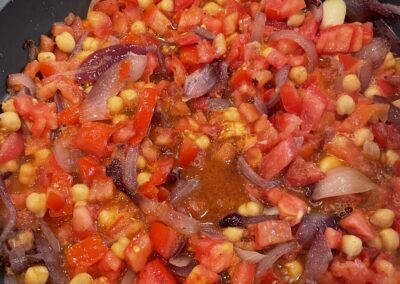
[[351, 83]]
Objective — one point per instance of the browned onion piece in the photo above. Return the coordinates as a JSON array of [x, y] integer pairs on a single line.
[[237, 220], [20, 79], [11, 213], [341, 181], [200, 82], [49, 235], [129, 171], [273, 255], [257, 29], [183, 271], [94, 107], [204, 33], [101, 60], [18, 260], [10, 279], [183, 189], [318, 259], [52, 260], [245, 169], [217, 104], [305, 43], [365, 74], [209, 230]]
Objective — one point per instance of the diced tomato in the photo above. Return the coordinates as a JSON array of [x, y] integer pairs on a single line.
[[282, 9], [31, 69], [239, 77], [343, 38], [190, 18], [82, 222], [216, 255], [276, 58], [333, 238], [189, 55], [142, 118], [353, 271], [387, 88], [156, 272], [387, 136], [278, 158], [138, 250], [156, 20], [12, 147], [110, 266], [230, 23], [182, 4], [201, 275], [108, 7], [59, 27], [267, 135], [163, 168], [92, 138], [291, 100], [301, 173], [314, 104], [100, 23], [310, 27], [244, 273], [249, 112], [361, 115], [396, 224], [344, 149], [102, 189], [86, 252], [272, 232], [88, 168], [356, 223], [348, 61], [69, 116], [236, 53], [212, 24], [187, 38], [55, 199], [164, 239], [368, 33], [291, 208], [287, 124], [188, 152], [206, 51]]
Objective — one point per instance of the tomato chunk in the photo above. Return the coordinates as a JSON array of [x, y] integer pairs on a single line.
[[93, 137], [137, 252], [356, 223], [272, 232], [164, 239], [12, 147], [156, 272], [86, 252], [244, 273], [200, 274]]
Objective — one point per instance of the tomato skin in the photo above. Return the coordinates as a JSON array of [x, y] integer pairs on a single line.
[[216, 255], [244, 273], [290, 98], [188, 152], [92, 137], [12, 148], [88, 168], [156, 272], [142, 119], [272, 232], [164, 239], [201, 275], [356, 223], [278, 158], [137, 258], [86, 252]]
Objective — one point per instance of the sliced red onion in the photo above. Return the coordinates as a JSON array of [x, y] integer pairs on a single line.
[[161, 61], [281, 76], [260, 105], [180, 260], [318, 259], [310, 224], [237, 220], [20, 79], [183, 271], [94, 107], [101, 60], [249, 255], [177, 220], [394, 116], [10, 279], [374, 52], [385, 30], [129, 277], [253, 177], [11, 213], [209, 230], [204, 33], [49, 235], [78, 46], [394, 9], [183, 189], [65, 156], [273, 255], [317, 12], [257, 30], [339, 74], [18, 260], [200, 82], [222, 76], [58, 102], [365, 74], [342, 181], [52, 260], [218, 104], [305, 43], [364, 10], [371, 149], [129, 173]]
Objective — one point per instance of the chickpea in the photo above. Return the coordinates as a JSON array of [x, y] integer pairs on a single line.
[[36, 203], [212, 9], [27, 174], [382, 218], [119, 247], [384, 267], [115, 104], [36, 275], [361, 135], [390, 239], [143, 178], [65, 42], [298, 74], [296, 20], [144, 3], [203, 142], [345, 105], [80, 192], [250, 208], [138, 27], [351, 245], [10, 121], [328, 163], [46, 57], [166, 6], [351, 83], [81, 278], [233, 234], [294, 269]]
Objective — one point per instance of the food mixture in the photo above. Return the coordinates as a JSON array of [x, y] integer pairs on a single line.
[[185, 141]]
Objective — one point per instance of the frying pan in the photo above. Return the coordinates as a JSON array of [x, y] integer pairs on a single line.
[[28, 19]]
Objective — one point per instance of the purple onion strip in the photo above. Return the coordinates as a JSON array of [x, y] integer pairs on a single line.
[[11, 213], [253, 177]]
